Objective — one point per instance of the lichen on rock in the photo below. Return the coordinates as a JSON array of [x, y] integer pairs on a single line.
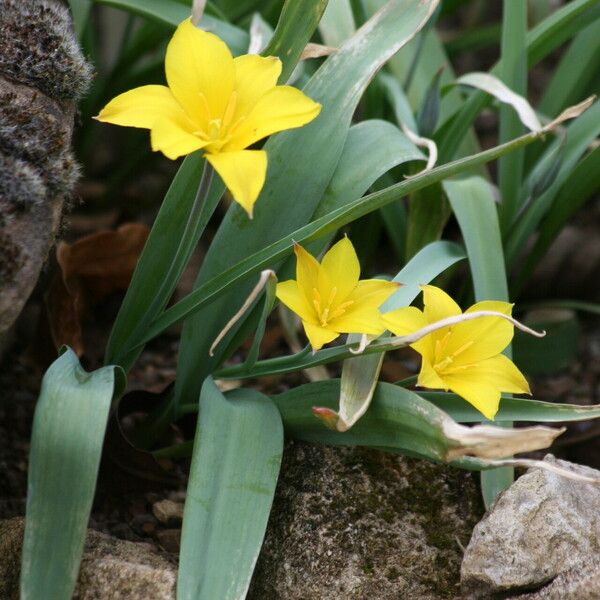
[[38, 49], [42, 75], [354, 523]]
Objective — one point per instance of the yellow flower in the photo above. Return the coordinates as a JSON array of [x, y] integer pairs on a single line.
[[216, 103], [465, 358], [330, 299]]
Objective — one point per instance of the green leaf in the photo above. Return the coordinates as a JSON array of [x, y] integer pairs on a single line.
[[301, 163], [580, 135], [473, 205], [580, 185], [513, 409], [360, 374], [513, 72], [80, 9], [235, 465], [399, 420], [578, 68], [271, 255], [540, 42], [297, 23], [175, 233], [66, 444], [337, 23], [556, 351], [172, 12]]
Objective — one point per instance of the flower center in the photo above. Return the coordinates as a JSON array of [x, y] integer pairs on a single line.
[[218, 131], [330, 311], [444, 360]]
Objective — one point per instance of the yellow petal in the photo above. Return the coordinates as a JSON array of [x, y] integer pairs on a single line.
[[243, 173], [358, 320], [429, 378], [200, 72], [254, 77], [481, 394], [171, 137], [290, 294], [408, 320], [307, 271], [477, 340], [373, 292], [318, 336], [141, 107], [282, 107], [340, 269], [482, 384], [437, 304]]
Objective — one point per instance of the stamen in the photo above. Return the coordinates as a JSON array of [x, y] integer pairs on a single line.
[[230, 110]]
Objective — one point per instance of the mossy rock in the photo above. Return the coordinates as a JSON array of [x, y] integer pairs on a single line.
[[354, 523]]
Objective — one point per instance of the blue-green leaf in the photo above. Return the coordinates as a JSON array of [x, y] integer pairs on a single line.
[[66, 444], [235, 465]]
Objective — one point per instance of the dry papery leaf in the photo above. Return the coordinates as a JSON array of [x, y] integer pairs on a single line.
[[489, 442], [90, 269]]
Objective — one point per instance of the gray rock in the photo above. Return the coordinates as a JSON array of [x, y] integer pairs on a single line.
[[352, 523], [111, 569], [580, 583], [42, 75], [542, 526]]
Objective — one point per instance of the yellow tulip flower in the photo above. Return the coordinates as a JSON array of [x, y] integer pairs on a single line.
[[216, 103], [329, 298], [464, 358]]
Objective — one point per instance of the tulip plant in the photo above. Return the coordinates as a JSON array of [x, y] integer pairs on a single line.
[[372, 128]]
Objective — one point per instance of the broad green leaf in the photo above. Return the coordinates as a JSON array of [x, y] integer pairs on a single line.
[[372, 148], [513, 409], [360, 374], [337, 23], [172, 12], [513, 72], [66, 444], [271, 255], [163, 259], [301, 163], [399, 420], [428, 213], [398, 100], [235, 465], [473, 205], [297, 23]]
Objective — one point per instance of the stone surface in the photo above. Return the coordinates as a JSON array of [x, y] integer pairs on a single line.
[[542, 526], [352, 523], [580, 583], [167, 511], [42, 75], [111, 569]]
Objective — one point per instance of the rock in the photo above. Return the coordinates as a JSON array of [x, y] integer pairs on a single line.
[[167, 511], [111, 569], [353, 523], [42, 75], [170, 540], [580, 583], [542, 526]]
